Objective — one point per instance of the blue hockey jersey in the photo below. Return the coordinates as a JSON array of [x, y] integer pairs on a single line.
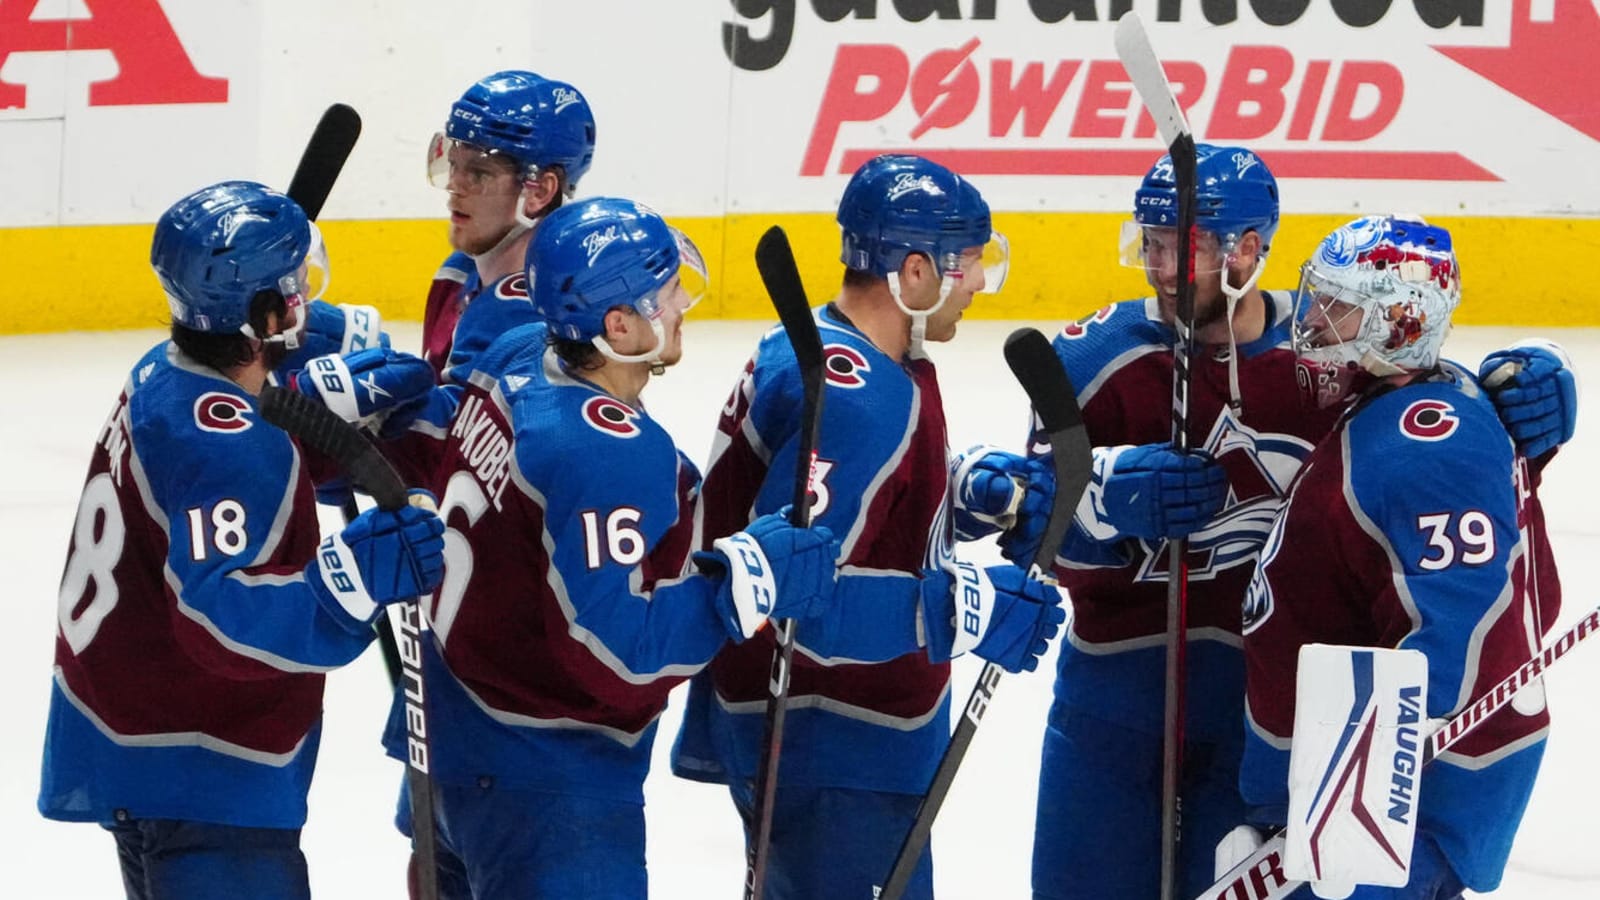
[[1413, 526], [189, 655]]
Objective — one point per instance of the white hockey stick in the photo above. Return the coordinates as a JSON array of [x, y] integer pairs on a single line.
[[1261, 876]]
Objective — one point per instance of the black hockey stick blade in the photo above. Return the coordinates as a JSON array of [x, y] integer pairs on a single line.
[[1039, 370], [775, 261], [324, 157], [322, 430], [780, 274]]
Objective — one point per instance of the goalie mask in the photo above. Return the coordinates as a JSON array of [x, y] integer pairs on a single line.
[[1375, 301], [598, 254], [217, 248]]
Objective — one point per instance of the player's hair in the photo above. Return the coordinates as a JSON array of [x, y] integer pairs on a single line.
[[860, 278], [226, 350], [579, 356]]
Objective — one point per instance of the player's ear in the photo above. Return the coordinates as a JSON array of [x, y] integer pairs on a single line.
[[539, 192], [915, 269], [618, 324], [1248, 248]]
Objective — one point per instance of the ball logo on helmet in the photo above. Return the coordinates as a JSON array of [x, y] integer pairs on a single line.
[[1243, 161], [564, 97], [596, 241], [909, 183], [221, 413], [611, 416]]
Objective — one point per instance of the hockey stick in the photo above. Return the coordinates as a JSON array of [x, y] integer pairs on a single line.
[[1260, 876], [775, 260], [1144, 68], [320, 164], [321, 429], [1037, 368]]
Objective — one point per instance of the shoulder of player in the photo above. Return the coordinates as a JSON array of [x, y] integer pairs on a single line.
[[563, 426], [1109, 337], [519, 350], [190, 419], [457, 267], [1445, 420]]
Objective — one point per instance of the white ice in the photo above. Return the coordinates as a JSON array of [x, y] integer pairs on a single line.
[[59, 388]]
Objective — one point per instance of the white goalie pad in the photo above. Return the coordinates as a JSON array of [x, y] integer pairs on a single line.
[[1355, 763]]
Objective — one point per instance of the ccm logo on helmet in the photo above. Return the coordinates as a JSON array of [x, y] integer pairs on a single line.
[[1428, 420], [611, 416], [844, 366], [222, 413]]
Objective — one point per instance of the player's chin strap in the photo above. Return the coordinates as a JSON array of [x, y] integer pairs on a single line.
[[1235, 401], [523, 226], [651, 356], [919, 317]]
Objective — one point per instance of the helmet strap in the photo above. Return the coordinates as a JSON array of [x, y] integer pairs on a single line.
[[651, 356], [919, 317], [524, 224]]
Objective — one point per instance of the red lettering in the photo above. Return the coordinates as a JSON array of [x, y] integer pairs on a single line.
[[1253, 76], [1032, 96], [1100, 96], [1305, 105], [944, 89], [1188, 80], [1343, 124], [152, 66], [1271, 866], [844, 100]]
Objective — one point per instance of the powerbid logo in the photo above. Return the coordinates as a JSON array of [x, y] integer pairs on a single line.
[[152, 65]]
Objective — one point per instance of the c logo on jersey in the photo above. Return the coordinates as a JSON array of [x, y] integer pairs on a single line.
[[611, 416], [514, 287], [1428, 420], [221, 413], [1074, 330], [844, 366]]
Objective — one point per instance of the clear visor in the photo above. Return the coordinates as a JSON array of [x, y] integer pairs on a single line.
[[681, 293], [307, 283], [470, 167], [1155, 247], [988, 263]]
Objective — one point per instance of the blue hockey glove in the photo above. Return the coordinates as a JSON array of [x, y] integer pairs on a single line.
[[999, 613], [1152, 491], [341, 329], [365, 383], [771, 569], [1535, 392], [999, 491], [382, 556]]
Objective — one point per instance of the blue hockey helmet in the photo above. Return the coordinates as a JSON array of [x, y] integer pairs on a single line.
[[217, 248], [536, 122], [896, 205], [1235, 193], [600, 253]]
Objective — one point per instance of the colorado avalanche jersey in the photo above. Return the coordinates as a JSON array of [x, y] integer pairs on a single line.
[[1413, 526], [1120, 359], [566, 614], [453, 285], [190, 647], [867, 709]]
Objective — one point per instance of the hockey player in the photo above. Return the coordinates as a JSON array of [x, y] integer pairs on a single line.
[[515, 144], [199, 606], [1414, 524], [1098, 829], [568, 611], [868, 709]]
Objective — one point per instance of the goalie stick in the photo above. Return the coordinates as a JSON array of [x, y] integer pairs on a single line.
[[1037, 368], [321, 429], [1144, 69], [775, 260]]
